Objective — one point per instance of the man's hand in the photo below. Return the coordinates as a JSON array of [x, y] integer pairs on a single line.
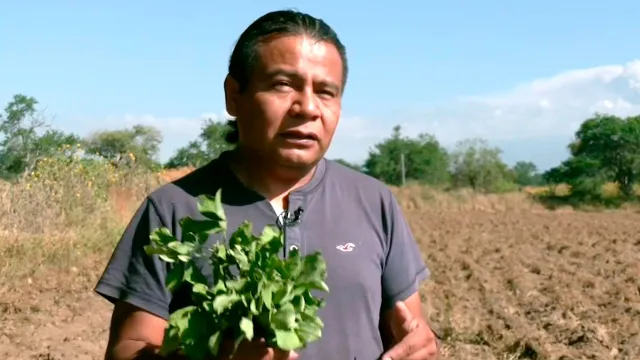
[[255, 350], [415, 339]]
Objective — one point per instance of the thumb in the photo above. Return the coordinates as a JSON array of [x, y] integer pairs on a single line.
[[403, 318]]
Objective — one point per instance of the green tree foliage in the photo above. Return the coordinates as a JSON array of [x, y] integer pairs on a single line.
[[605, 148], [140, 144], [476, 164], [425, 160], [525, 173], [209, 145], [26, 137]]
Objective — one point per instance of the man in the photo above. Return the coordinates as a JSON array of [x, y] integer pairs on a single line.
[[286, 78]]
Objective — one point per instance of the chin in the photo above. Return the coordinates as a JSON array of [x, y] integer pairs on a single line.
[[299, 158]]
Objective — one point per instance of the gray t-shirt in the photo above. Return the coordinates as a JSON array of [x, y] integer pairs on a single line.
[[353, 219]]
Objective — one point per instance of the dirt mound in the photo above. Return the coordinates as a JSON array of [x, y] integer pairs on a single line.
[[510, 281]]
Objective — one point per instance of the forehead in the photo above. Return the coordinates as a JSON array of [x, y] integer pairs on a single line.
[[302, 54]]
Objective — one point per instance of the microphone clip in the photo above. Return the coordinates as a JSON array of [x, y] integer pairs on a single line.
[[290, 219]]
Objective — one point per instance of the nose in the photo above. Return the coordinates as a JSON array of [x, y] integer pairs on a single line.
[[306, 105]]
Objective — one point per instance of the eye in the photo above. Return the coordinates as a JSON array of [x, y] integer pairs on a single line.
[[282, 84], [327, 94]]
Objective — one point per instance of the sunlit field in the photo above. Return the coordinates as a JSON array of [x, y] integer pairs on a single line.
[[511, 279]]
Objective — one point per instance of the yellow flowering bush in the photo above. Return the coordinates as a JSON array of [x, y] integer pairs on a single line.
[[72, 186]]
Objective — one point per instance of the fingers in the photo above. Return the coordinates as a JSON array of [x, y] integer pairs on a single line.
[[258, 349], [403, 321], [400, 351], [419, 344], [402, 313], [422, 354], [277, 354]]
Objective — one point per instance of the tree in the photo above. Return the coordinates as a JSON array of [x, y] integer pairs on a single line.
[[605, 148], [525, 173], [476, 164], [612, 144], [140, 144], [209, 145], [26, 136], [425, 160]]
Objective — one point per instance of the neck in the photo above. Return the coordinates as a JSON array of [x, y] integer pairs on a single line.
[[267, 178]]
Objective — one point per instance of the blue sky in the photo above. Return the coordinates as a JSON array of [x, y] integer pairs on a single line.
[[521, 74]]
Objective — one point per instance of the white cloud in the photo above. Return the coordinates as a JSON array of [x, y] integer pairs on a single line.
[[548, 107]]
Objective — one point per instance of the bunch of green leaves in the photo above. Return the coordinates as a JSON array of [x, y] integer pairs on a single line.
[[267, 297]]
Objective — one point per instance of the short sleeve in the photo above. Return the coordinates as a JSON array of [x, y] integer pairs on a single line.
[[404, 268], [133, 276]]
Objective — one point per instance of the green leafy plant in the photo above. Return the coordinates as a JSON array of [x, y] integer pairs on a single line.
[[268, 297]]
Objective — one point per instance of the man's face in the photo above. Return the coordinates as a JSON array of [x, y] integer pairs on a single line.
[[291, 108]]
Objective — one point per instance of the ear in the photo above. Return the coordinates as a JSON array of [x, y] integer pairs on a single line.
[[231, 94]]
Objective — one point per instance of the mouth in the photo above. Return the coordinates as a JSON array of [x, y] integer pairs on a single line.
[[299, 136]]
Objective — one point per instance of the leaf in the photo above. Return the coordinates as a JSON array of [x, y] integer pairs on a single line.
[[181, 248], [243, 236], [240, 258], [309, 331], [166, 258], [284, 318], [269, 233], [284, 294], [287, 340], [236, 284], [201, 290], [193, 275], [165, 253], [195, 335], [201, 229], [214, 343], [271, 241], [161, 236], [211, 208], [306, 317], [298, 302], [267, 293], [219, 287], [180, 318], [171, 341], [246, 326], [175, 277], [294, 263], [313, 273], [253, 306], [224, 301], [219, 252]]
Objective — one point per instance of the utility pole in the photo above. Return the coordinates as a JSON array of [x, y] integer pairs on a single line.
[[404, 180]]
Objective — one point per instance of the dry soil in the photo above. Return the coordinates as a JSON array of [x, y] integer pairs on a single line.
[[506, 284]]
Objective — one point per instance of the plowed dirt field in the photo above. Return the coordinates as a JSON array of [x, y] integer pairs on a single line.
[[506, 284]]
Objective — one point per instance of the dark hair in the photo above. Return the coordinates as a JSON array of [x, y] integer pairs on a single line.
[[283, 22]]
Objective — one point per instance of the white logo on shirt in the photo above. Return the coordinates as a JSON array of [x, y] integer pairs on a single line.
[[346, 247]]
